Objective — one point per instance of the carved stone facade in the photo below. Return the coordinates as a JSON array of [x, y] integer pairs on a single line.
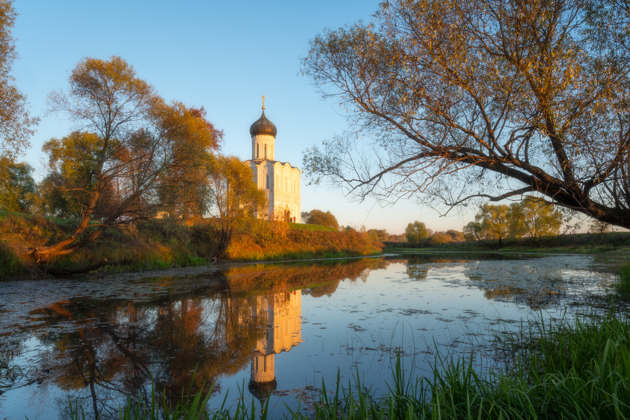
[[279, 180]]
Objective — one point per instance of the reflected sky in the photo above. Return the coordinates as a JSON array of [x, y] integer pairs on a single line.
[[276, 329]]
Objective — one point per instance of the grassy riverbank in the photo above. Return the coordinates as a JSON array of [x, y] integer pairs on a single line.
[[159, 244], [612, 248], [581, 243]]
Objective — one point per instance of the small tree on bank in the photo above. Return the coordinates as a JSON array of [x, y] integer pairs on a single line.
[[440, 238], [323, 218], [530, 218], [472, 231], [233, 198], [534, 218], [494, 222], [416, 232]]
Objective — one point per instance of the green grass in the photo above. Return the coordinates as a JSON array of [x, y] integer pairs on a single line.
[[570, 370], [623, 287], [10, 264]]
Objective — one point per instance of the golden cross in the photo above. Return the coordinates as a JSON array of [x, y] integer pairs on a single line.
[[263, 101]]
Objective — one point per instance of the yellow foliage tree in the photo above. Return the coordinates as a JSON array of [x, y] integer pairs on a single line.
[[494, 222], [233, 198], [132, 144], [16, 125], [534, 218]]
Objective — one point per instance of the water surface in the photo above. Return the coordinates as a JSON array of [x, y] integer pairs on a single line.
[[276, 329]]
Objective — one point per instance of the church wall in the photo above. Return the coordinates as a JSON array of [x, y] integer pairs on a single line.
[[287, 190]]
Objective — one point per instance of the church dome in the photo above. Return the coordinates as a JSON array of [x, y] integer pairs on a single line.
[[263, 126]]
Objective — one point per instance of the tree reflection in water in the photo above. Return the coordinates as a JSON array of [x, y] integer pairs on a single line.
[[103, 351]]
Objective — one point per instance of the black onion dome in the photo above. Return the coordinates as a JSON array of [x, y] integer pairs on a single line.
[[263, 126]]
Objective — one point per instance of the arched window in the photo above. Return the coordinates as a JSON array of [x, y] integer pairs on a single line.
[[257, 150], [265, 151]]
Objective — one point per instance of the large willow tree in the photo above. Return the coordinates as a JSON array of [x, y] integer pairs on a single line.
[[483, 98]]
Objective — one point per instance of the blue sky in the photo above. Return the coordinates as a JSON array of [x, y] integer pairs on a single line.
[[222, 55]]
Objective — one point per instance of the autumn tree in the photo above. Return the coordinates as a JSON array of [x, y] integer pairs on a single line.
[[128, 144], [440, 238], [185, 186], [323, 218], [456, 235], [534, 218], [462, 97], [494, 222], [16, 125], [379, 235], [416, 232], [66, 190], [17, 187], [472, 231], [233, 198]]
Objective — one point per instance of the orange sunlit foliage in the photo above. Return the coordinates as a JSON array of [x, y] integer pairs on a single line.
[[142, 154]]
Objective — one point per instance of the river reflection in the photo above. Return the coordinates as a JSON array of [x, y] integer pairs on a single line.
[[261, 330]]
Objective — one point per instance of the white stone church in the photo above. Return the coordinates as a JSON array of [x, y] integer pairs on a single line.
[[279, 180]]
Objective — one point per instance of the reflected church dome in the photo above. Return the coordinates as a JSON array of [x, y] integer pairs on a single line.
[[262, 390]]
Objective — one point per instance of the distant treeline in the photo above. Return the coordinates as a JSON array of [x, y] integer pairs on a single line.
[[581, 242]]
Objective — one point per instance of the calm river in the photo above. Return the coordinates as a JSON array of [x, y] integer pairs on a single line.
[[278, 329]]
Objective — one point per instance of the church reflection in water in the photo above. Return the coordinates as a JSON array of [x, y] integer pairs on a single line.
[[280, 314], [106, 345]]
